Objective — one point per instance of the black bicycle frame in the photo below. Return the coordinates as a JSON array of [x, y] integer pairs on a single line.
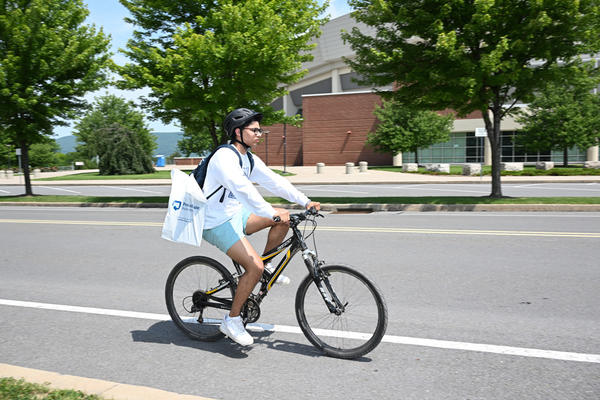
[[293, 244]]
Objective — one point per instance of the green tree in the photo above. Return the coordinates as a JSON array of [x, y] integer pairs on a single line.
[[404, 129], [44, 154], [7, 151], [48, 61], [106, 111], [470, 55], [564, 114], [203, 58], [67, 159], [121, 152]]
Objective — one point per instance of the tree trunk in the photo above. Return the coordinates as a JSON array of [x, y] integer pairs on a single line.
[[493, 131], [565, 157], [417, 157], [25, 167], [213, 133]]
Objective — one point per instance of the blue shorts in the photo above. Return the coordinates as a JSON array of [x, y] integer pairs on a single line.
[[229, 232]]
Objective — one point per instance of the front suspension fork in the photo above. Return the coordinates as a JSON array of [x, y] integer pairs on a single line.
[[321, 280]]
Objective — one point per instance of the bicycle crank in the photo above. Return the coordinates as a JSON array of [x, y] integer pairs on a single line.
[[251, 310]]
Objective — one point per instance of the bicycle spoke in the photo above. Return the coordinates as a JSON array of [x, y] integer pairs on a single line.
[[186, 290], [361, 324]]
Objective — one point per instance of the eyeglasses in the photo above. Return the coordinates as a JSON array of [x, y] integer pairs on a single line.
[[257, 131]]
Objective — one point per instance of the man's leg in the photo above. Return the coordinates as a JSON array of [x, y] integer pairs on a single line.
[[243, 253], [276, 234]]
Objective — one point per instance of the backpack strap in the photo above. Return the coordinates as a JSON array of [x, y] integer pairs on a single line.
[[232, 148]]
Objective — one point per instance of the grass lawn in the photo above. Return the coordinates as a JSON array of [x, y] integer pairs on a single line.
[[94, 176], [324, 200], [12, 389], [487, 170]]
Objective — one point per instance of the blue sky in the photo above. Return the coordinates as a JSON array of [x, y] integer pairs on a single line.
[[109, 15]]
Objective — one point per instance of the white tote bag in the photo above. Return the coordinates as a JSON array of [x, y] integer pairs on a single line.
[[185, 216]]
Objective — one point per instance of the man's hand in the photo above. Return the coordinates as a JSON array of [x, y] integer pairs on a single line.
[[314, 204], [281, 216]]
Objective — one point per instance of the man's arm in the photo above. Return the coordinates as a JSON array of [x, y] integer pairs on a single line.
[[277, 184]]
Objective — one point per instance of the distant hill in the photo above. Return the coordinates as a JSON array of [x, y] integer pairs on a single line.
[[67, 144], [166, 142]]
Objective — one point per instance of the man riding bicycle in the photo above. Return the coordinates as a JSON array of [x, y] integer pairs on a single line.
[[240, 210]]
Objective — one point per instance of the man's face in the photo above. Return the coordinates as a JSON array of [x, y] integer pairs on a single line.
[[250, 136]]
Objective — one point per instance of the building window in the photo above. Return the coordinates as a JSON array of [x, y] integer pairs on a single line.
[[512, 152], [462, 147], [465, 147]]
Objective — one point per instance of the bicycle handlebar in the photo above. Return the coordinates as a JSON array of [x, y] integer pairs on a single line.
[[299, 217]]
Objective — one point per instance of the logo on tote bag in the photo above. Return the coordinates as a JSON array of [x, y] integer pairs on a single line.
[[176, 205]]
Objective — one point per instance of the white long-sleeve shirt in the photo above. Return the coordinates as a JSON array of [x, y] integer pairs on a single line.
[[224, 170]]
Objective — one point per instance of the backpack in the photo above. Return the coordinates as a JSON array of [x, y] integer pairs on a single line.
[[200, 172]]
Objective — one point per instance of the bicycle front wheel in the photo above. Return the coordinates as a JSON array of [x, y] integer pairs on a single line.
[[198, 293], [360, 325]]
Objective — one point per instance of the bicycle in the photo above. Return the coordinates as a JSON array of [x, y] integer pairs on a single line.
[[339, 310]]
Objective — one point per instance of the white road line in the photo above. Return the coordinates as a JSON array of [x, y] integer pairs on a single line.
[[59, 189], [575, 189], [4, 191], [133, 190], [333, 190], [450, 189], [440, 344]]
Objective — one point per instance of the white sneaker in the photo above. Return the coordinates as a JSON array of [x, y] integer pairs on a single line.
[[281, 279], [233, 327]]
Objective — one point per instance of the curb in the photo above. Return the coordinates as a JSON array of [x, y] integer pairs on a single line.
[[105, 389], [361, 208], [301, 181]]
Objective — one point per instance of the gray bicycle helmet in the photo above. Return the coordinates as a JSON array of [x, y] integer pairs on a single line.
[[239, 118]]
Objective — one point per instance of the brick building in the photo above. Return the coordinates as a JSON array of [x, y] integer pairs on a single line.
[[338, 115]]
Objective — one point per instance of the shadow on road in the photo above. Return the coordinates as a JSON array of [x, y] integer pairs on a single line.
[[165, 332]]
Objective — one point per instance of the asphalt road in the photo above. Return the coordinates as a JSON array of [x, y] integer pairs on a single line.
[[514, 190], [481, 306]]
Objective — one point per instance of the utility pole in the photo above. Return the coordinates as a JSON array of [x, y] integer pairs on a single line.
[[284, 146]]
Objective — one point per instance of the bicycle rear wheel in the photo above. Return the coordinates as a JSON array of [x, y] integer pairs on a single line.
[[198, 292], [360, 326]]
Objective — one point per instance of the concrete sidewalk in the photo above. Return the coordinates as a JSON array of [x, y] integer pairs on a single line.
[[309, 176]]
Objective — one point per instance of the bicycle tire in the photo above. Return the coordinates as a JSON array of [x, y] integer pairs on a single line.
[[193, 277], [342, 336]]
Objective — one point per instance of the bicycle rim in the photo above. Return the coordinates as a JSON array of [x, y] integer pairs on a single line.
[[358, 329], [188, 283]]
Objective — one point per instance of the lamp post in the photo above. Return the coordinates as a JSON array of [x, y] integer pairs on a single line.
[[284, 146], [267, 147]]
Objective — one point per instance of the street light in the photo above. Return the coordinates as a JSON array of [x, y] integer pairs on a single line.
[[284, 146], [267, 147]]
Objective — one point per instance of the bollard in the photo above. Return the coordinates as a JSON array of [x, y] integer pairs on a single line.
[[511, 166], [410, 167], [363, 166], [320, 167], [591, 164], [471, 169], [9, 174], [36, 173], [349, 167], [2, 174], [544, 165]]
